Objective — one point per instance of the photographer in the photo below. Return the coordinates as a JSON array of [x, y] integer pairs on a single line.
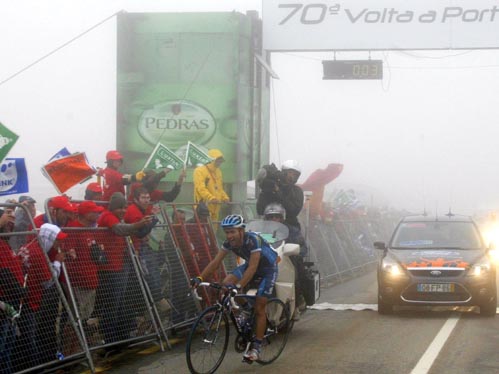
[[280, 187]]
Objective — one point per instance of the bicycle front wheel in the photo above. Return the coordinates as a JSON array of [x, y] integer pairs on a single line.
[[277, 332], [207, 342]]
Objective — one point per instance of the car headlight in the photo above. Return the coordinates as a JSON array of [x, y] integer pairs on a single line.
[[494, 255], [480, 268], [392, 267]]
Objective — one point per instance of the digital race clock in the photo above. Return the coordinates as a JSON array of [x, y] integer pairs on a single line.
[[353, 69]]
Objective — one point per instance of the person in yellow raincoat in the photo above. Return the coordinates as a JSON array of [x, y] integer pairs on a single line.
[[208, 184]]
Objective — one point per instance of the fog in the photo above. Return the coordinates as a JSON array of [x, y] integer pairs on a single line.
[[424, 136]]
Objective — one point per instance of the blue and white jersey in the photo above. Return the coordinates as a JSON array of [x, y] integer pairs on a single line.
[[252, 242]]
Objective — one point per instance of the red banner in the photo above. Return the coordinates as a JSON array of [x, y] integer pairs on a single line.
[[68, 171]]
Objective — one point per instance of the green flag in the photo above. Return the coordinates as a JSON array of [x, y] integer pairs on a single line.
[[195, 156], [7, 141], [162, 157]]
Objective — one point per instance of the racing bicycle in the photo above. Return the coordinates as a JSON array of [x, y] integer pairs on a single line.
[[209, 337]]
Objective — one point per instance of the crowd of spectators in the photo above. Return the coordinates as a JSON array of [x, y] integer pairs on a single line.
[[90, 237]]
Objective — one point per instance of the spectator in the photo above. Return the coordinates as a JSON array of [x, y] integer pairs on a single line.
[[151, 260], [178, 216], [208, 184], [22, 221], [113, 276], [60, 210], [82, 268], [151, 182], [11, 293], [283, 190], [114, 181], [202, 213], [37, 343], [93, 192]]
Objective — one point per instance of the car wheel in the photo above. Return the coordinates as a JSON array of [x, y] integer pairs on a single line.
[[489, 309], [383, 307]]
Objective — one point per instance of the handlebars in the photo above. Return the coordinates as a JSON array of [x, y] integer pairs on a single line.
[[230, 292]]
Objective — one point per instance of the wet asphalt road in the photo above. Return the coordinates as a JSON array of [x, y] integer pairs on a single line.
[[348, 341]]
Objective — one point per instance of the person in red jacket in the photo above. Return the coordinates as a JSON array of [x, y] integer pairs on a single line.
[[115, 321], [41, 307], [82, 267], [114, 180], [151, 260], [60, 210], [11, 294]]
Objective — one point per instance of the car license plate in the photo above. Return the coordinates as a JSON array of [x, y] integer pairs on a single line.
[[436, 287]]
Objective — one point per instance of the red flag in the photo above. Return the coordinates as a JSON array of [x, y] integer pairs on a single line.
[[321, 177], [68, 171]]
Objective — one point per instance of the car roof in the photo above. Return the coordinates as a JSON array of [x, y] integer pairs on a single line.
[[444, 218]]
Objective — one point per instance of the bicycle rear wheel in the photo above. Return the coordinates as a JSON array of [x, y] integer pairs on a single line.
[[207, 342], [277, 332]]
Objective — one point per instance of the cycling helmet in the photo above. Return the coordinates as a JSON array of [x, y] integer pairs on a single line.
[[275, 209], [291, 165], [113, 156], [233, 221]]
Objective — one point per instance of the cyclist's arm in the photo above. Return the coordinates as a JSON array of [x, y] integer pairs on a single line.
[[214, 264], [251, 270]]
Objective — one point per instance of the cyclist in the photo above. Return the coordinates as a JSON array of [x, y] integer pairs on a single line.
[[260, 262]]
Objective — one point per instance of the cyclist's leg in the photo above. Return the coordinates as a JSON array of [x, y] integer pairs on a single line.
[[235, 276], [265, 291]]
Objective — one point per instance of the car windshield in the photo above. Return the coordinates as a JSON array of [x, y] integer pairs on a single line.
[[463, 235]]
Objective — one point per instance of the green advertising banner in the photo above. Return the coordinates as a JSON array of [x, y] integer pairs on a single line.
[[7, 141], [190, 78]]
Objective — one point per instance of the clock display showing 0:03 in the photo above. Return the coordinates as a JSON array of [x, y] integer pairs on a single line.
[[366, 71]]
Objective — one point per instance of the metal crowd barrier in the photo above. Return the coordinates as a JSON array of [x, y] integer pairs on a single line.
[[343, 248], [93, 307]]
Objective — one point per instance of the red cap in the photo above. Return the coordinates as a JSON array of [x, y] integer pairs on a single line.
[[94, 187], [113, 155], [89, 207], [60, 202], [61, 235]]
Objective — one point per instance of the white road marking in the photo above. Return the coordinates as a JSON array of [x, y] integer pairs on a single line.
[[426, 361], [324, 306]]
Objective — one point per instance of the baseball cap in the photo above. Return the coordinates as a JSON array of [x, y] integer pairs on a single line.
[[94, 187], [89, 207], [60, 202]]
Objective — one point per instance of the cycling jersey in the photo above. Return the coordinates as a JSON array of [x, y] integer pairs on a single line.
[[252, 242]]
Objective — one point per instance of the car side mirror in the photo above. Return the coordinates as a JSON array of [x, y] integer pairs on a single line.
[[379, 245]]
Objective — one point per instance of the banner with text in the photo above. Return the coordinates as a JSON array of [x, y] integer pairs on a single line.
[[162, 157], [13, 177], [311, 25]]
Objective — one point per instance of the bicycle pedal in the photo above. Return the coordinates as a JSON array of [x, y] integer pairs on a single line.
[[247, 360]]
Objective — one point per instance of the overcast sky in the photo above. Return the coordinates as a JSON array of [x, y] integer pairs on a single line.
[[427, 134]]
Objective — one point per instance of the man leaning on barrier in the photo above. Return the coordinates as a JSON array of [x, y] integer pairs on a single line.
[[113, 276]]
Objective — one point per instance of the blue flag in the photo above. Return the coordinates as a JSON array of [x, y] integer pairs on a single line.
[[13, 177], [62, 153]]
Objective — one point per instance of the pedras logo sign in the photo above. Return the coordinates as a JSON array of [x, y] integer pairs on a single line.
[[381, 25]]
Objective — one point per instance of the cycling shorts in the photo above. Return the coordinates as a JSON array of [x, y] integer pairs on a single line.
[[267, 275]]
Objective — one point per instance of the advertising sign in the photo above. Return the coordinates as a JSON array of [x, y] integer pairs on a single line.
[[13, 177], [313, 25], [188, 78]]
